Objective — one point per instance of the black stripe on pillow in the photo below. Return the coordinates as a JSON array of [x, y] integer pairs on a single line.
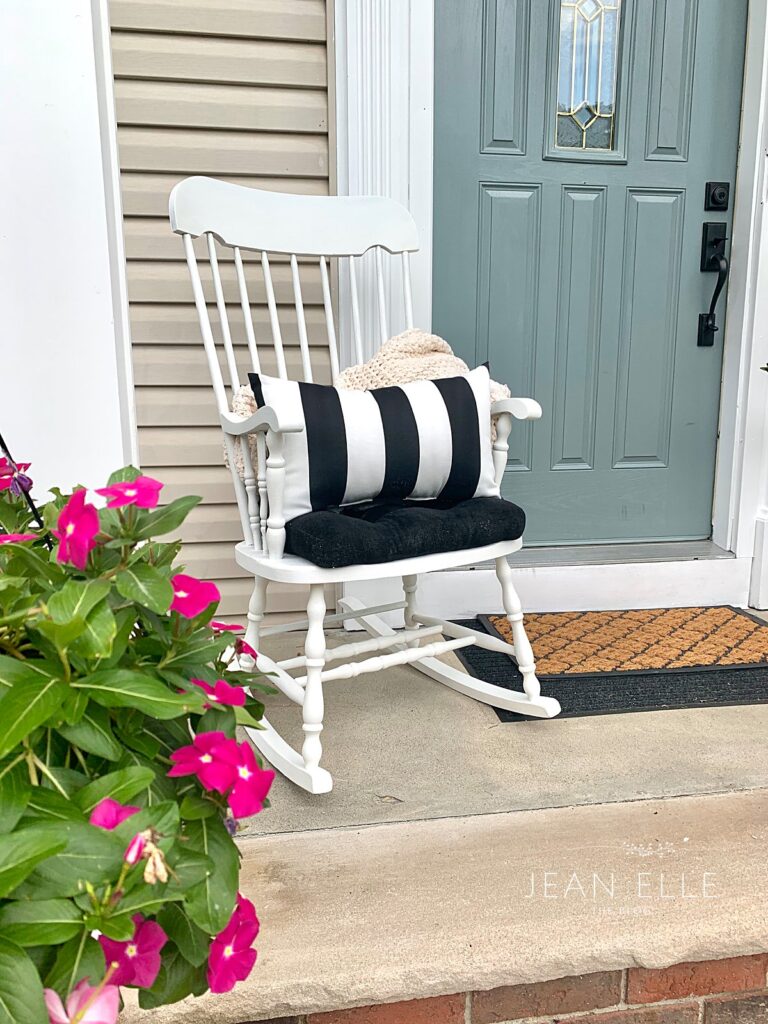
[[460, 402], [401, 440], [326, 444], [258, 393]]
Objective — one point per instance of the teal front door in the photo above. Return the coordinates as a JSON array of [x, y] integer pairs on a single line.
[[574, 143]]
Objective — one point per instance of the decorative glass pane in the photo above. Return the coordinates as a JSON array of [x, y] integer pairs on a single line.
[[586, 78]]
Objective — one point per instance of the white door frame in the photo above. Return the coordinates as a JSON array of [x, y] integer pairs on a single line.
[[384, 112]]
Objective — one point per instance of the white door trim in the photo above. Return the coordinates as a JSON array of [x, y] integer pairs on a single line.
[[384, 89]]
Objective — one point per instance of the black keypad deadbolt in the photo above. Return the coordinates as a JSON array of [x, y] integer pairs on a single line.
[[717, 195]]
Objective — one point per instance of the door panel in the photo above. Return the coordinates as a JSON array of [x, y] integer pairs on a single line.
[[569, 202]]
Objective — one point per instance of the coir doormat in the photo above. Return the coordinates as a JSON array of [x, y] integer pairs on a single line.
[[602, 663]]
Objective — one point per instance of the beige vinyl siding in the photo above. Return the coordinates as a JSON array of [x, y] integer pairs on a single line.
[[236, 89]]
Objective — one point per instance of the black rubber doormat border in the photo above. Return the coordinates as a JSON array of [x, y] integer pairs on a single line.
[[615, 693]]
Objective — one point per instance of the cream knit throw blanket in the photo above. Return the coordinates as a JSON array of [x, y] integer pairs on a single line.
[[412, 355]]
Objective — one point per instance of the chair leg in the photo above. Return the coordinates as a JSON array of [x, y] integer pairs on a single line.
[[514, 612], [256, 608], [314, 649], [410, 584]]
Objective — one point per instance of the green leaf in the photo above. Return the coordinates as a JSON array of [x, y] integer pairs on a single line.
[[170, 517], [61, 634], [40, 922], [120, 785], [48, 803], [81, 957], [73, 708], [126, 620], [210, 903], [27, 705], [218, 719], [189, 868], [162, 817], [99, 632], [21, 991], [244, 717], [76, 599], [93, 733], [192, 941], [194, 807], [15, 791], [37, 566], [176, 979], [22, 851], [86, 853], [13, 671], [148, 900], [127, 473], [146, 586], [122, 688]]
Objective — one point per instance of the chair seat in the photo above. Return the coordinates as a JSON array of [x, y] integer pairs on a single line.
[[376, 533]]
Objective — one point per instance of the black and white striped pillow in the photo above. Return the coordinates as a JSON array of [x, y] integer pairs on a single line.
[[425, 439]]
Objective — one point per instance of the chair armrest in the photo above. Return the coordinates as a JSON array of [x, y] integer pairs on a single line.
[[504, 410], [263, 419], [520, 408], [260, 495]]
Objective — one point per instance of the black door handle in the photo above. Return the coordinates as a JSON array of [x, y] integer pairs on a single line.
[[713, 239], [708, 321]]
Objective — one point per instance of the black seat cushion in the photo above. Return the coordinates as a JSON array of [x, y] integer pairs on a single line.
[[386, 532]]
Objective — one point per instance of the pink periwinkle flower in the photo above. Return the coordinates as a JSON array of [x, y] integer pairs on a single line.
[[77, 527], [243, 647], [252, 783], [231, 957], [225, 627], [143, 492], [85, 1004], [138, 959], [192, 596], [135, 849], [210, 757], [108, 813], [16, 538], [222, 693], [13, 478]]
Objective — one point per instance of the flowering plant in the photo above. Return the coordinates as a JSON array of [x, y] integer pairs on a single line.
[[121, 777]]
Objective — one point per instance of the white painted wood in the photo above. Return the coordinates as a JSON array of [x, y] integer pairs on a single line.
[[486, 693], [354, 295], [221, 307], [314, 651], [306, 365], [384, 661], [275, 222], [381, 302], [245, 305], [292, 569], [383, 141], [355, 649], [274, 320], [330, 327], [61, 259], [407, 290]]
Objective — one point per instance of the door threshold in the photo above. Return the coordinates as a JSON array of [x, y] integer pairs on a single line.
[[616, 554]]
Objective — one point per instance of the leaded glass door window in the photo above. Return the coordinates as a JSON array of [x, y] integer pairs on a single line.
[[586, 80], [589, 48]]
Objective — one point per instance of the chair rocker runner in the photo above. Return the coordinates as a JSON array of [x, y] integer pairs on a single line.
[[316, 229]]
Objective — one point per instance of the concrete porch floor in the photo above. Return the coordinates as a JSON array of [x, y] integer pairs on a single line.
[[402, 747], [425, 871]]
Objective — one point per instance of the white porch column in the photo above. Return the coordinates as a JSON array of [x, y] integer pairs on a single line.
[[384, 70], [67, 398]]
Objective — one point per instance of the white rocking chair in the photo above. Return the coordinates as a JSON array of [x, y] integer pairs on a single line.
[[322, 228]]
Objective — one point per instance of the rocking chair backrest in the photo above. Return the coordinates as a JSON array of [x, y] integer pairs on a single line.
[[310, 229]]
